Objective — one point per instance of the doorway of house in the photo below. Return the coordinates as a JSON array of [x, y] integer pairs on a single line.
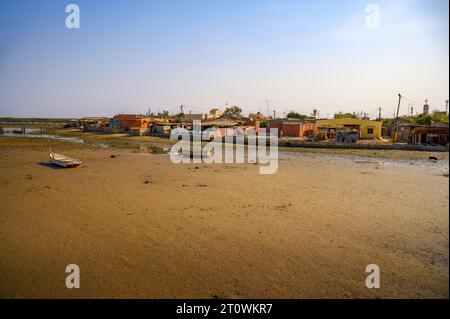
[[423, 138]]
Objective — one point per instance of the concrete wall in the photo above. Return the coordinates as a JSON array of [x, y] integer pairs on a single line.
[[139, 131], [402, 133]]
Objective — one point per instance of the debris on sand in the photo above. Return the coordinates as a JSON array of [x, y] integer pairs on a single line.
[[113, 156], [433, 159], [368, 162], [201, 185]]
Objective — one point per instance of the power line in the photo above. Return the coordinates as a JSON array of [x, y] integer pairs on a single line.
[[419, 103]]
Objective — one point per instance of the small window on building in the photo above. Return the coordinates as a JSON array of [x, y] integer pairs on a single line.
[[370, 130]]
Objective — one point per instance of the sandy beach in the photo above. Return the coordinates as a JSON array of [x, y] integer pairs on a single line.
[[140, 226]]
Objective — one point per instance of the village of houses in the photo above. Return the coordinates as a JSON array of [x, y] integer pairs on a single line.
[[302, 130], [141, 227]]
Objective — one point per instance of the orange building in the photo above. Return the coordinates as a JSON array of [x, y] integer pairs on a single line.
[[298, 129], [293, 128], [128, 121]]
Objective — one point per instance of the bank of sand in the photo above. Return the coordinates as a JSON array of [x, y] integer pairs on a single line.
[[140, 226]]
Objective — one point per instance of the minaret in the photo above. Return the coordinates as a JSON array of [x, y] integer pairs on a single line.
[[426, 108]]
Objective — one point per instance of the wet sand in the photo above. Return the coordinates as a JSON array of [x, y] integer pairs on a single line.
[[140, 226]]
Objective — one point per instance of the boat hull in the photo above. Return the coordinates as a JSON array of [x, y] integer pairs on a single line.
[[64, 161]]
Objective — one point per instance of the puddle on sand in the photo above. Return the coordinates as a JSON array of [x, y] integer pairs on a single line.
[[36, 133], [18, 130], [143, 149], [53, 137], [152, 149]]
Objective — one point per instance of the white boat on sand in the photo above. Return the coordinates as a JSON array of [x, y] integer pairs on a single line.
[[63, 161]]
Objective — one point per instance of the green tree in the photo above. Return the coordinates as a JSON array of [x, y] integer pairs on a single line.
[[424, 119], [428, 119], [264, 124], [164, 114], [179, 118], [233, 111], [345, 115], [440, 117], [295, 115]]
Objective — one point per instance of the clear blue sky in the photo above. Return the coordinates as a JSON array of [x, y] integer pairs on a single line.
[[129, 56]]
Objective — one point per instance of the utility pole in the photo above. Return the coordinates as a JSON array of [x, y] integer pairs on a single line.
[[182, 111], [399, 100], [274, 116], [379, 114], [412, 109], [446, 106]]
